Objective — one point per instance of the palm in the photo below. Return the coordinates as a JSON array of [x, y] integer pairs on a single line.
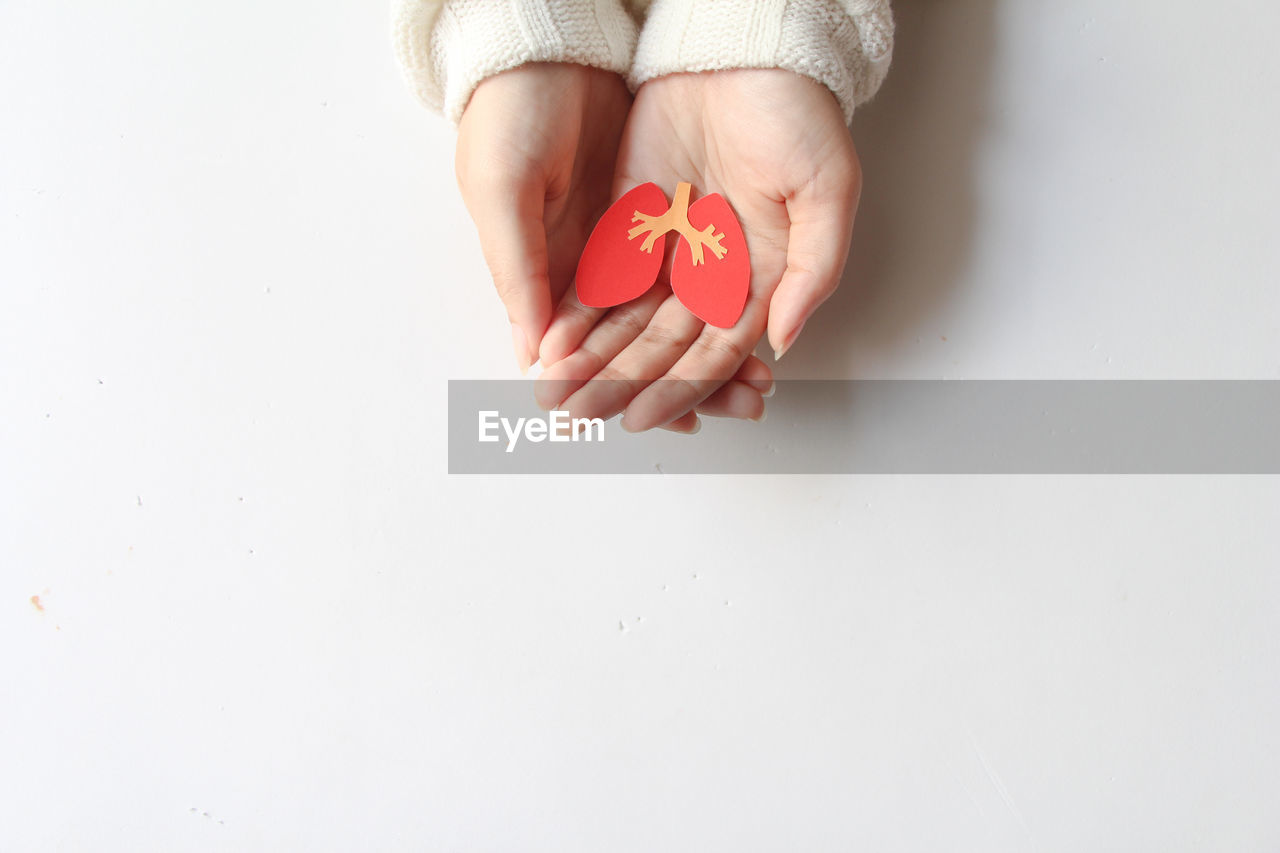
[[578, 175], [775, 145], [675, 133]]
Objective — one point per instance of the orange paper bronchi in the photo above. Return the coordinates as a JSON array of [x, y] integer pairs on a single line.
[[677, 219], [710, 274]]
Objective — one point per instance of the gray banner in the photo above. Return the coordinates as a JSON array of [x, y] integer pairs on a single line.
[[897, 427]]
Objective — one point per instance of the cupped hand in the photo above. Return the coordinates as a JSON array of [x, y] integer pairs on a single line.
[[776, 146], [536, 152]]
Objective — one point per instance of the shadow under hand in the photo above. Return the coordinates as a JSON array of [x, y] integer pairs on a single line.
[[918, 141]]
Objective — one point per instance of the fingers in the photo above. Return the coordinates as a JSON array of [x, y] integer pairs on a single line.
[[756, 374], [619, 327], [714, 357], [568, 328], [634, 345], [689, 424], [737, 399], [734, 400], [508, 214], [646, 356], [822, 218], [740, 399]]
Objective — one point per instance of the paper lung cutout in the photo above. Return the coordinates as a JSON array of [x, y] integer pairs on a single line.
[[712, 270], [611, 270], [715, 290]]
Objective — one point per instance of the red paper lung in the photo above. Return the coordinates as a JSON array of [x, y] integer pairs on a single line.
[[712, 270], [716, 289], [613, 269]]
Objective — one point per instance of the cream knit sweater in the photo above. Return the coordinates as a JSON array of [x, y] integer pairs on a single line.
[[446, 47]]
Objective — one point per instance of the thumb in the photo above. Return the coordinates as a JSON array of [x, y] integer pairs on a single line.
[[508, 217], [817, 249]]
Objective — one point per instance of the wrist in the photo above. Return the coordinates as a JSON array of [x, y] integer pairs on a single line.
[[845, 46], [446, 50]]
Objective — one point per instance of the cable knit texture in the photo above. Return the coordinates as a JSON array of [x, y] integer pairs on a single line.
[[446, 47], [847, 46]]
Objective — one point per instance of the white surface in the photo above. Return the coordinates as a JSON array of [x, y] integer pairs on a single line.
[[234, 277]]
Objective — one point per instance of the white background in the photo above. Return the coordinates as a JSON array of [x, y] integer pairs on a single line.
[[234, 278]]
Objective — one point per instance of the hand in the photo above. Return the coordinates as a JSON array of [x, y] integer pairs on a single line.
[[536, 152], [776, 146]]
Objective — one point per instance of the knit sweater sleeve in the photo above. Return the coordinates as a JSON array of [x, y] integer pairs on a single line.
[[447, 47], [844, 44]]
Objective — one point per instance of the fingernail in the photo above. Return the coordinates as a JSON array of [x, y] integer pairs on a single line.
[[697, 427], [764, 413], [773, 387], [791, 339], [521, 345]]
